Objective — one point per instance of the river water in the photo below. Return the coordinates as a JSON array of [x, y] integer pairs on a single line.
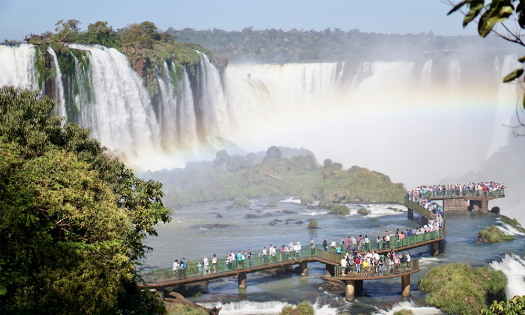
[[193, 234]]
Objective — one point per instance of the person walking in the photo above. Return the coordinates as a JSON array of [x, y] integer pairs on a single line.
[[312, 246], [325, 244], [214, 262], [206, 264]]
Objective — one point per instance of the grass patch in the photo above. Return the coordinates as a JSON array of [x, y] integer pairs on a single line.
[[363, 211], [179, 309], [460, 289], [494, 235], [512, 222], [304, 308], [404, 312]]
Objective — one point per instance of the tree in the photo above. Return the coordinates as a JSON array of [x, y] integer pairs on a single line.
[[73, 218], [489, 15], [99, 33]]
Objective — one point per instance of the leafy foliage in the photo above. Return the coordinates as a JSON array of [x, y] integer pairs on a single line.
[[313, 224], [516, 305], [512, 222], [460, 289], [73, 218]]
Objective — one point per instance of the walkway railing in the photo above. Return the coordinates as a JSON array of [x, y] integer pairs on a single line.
[[418, 208], [381, 271], [193, 271], [464, 193]]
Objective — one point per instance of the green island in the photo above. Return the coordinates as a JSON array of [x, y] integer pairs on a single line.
[[493, 235], [512, 222], [458, 288], [241, 177]]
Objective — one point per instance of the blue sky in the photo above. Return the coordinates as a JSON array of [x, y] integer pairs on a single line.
[[18, 18]]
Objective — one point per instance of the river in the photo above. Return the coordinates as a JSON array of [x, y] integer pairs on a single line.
[[192, 234]]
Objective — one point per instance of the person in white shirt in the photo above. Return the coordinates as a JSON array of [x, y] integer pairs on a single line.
[[206, 265], [343, 266]]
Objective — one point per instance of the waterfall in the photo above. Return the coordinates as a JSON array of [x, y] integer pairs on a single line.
[[18, 66], [215, 120], [60, 110], [425, 81], [188, 121], [507, 99], [513, 266], [340, 74], [121, 115], [168, 108], [454, 79]]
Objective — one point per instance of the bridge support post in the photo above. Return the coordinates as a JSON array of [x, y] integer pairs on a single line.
[[303, 268], [350, 290], [410, 214], [405, 285], [162, 293], [242, 280], [358, 285], [330, 270], [485, 205], [435, 249]]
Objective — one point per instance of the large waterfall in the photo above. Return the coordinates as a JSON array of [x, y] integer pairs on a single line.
[[367, 108]]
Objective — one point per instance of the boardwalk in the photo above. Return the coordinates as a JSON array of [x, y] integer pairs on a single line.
[[166, 277]]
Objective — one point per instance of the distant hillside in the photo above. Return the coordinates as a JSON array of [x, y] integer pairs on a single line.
[[294, 173], [278, 46]]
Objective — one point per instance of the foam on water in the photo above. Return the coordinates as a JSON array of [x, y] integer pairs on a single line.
[[429, 260], [507, 228], [270, 307], [408, 305], [292, 200], [513, 266]]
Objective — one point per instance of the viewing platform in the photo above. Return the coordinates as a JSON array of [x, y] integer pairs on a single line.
[[465, 200]]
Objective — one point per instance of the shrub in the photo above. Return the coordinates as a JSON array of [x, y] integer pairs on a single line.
[[304, 308], [494, 235], [404, 312], [306, 199], [272, 203], [241, 202], [363, 211], [512, 222], [514, 306], [179, 309], [313, 224], [459, 289]]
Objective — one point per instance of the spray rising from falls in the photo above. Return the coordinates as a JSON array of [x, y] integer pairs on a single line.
[[18, 66]]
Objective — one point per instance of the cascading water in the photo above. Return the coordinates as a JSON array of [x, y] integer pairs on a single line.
[[425, 81], [121, 115], [454, 79], [507, 98], [60, 109], [513, 266], [188, 121], [18, 66], [168, 108], [214, 115]]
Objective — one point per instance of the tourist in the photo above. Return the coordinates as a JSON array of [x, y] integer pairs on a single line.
[[264, 253], [175, 267], [343, 266], [408, 260], [359, 242], [325, 245], [206, 265], [348, 243], [249, 257], [379, 242], [358, 263], [312, 246], [214, 262], [367, 243], [354, 242], [199, 266]]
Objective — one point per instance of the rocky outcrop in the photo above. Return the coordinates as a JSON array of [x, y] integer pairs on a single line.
[[176, 298]]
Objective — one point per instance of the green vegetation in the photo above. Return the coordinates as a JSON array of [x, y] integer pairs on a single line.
[[180, 309], [73, 218], [228, 178], [512, 222], [494, 235], [313, 224], [278, 46], [273, 203], [460, 289], [363, 211], [516, 305], [404, 312], [241, 202], [144, 45], [303, 308]]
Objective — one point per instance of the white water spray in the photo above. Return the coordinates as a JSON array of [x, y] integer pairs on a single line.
[[17, 66], [60, 110], [513, 266]]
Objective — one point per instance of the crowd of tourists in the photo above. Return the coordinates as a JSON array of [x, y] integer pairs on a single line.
[[372, 264], [482, 189]]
